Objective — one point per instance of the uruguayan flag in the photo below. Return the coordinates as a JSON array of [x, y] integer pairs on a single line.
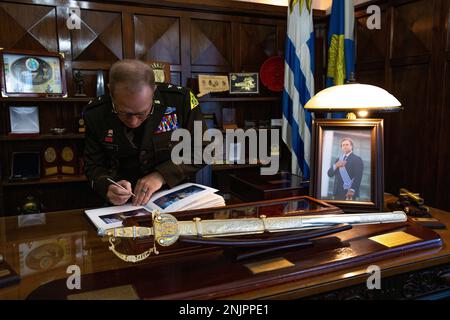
[[341, 53], [298, 85]]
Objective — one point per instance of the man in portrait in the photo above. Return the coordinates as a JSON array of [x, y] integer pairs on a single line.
[[347, 170]]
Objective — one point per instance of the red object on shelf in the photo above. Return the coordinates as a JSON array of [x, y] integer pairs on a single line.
[[272, 74]]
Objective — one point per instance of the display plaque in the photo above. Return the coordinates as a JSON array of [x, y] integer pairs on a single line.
[[32, 74], [69, 159], [211, 83], [161, 70], [50, 161], [244, 83]]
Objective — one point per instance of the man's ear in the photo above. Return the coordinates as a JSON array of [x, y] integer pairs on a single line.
[[109, 89]]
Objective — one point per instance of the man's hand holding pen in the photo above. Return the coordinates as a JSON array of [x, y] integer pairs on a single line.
[[119, 192]]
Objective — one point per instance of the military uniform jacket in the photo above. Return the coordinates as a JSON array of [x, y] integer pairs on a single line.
[[111, 153]]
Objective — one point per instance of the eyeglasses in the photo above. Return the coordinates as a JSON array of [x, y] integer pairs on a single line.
[[129, 115]]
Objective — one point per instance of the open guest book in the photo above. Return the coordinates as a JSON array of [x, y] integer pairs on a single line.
[[187, 196]]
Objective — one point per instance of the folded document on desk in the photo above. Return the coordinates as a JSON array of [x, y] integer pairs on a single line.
[[187, 196]]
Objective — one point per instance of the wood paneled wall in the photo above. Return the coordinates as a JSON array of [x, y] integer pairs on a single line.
[[409, 56], [191, 40], [210, 36]]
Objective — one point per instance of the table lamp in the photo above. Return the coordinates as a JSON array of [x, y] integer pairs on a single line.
[[353, 97]]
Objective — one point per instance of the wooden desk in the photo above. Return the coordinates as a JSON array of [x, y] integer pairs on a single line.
[[83, 247]]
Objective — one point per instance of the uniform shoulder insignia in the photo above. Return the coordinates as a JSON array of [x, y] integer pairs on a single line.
[[194, 101], [95, 102], [168, 87]]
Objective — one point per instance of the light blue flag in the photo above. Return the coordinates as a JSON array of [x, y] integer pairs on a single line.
[[341, 44], [298, 85]]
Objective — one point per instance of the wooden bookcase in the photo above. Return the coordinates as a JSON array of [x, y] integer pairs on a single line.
[[194, 37], [55, 192]]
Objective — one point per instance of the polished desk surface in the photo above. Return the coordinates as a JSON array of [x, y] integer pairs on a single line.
[[21, 241]]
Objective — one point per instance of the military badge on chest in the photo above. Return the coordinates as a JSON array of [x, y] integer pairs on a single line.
[[169, 121], [109, 136], [108, 141]]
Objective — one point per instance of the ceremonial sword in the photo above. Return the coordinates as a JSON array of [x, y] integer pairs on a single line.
[[167, 229]]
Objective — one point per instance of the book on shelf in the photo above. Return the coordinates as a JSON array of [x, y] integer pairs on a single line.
[[187, 196]]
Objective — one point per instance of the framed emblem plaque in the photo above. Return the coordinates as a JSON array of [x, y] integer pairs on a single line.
[[244, 83], [32, 74], [161, 70]]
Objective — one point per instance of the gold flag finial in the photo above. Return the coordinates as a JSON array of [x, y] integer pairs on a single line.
[[292, 4]]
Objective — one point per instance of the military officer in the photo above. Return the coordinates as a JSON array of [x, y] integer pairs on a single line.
[[128, 134]]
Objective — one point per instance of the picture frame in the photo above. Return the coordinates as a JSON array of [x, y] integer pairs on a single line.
[[24, 120], [208, 83], [360, 187], [210, 120], [26, 73], [244, 83], [229, 118]]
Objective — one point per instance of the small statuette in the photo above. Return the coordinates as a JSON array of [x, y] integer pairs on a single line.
[[78, 78]]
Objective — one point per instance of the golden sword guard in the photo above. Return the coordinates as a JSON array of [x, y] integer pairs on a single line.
[[164, 232]]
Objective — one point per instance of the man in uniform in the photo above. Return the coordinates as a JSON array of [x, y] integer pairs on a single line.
[[128, 134]]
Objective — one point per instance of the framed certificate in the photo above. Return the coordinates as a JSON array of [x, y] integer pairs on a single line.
[[32, 74], [244, 83]]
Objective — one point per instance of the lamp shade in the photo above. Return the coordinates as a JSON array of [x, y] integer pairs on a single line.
[[353, 97]]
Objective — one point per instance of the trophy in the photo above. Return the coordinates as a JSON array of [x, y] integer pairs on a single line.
[[68, 160], [78, 78], [30, 205], [81, 125]]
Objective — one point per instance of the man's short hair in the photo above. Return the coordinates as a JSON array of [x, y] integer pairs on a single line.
[[347, 139], [134, 74]]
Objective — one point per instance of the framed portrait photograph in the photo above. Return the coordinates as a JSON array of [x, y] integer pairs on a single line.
[[347, 163], [244, 83], [32, 74]]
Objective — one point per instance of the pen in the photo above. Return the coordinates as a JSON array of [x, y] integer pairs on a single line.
[[113, 182]]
